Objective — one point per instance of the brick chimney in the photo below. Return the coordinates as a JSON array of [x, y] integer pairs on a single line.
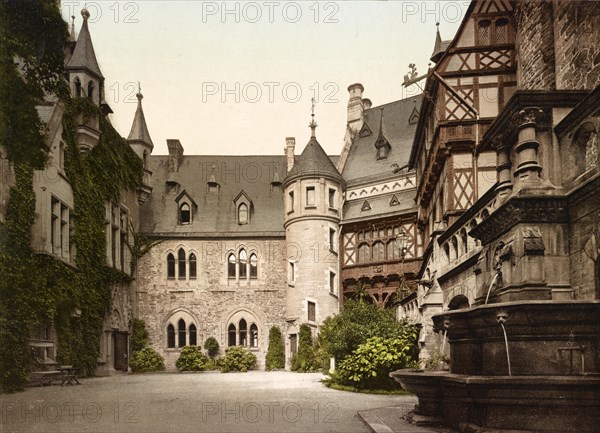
[[175, 154], [290, 145], [355, 107], [367, 103]]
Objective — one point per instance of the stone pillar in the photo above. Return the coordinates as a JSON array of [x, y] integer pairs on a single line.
[[528, 168], [504, 187]]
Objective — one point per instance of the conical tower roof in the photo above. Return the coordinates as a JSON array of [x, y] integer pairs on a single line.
[[314, 162], [84, 56], [139, 129]]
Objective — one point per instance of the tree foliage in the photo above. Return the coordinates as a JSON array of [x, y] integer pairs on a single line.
[[212, 347], [191, 359], [146, 360], [305, 360], [275, 359], [237, 359], [139, 336]]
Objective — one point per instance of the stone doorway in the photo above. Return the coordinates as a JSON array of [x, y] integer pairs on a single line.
[[121, 353]]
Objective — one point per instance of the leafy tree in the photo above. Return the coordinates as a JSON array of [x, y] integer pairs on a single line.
[[192, 359], [237, 359], [139, 336], [212, 347], [275, 358], [305, 360], [146, 360]]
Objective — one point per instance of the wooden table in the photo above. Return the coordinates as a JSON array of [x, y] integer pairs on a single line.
[[69, 375]]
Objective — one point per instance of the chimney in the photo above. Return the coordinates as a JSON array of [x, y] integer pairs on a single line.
[[355, 107], [175, 154], [290, 144], [367, 103]]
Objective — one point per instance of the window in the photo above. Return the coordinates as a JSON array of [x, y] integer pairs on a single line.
[[391, 250], [312, 315], [231, 266], [170, 336], [181, 333], [383, 152], [170, 266], [231, 334], [55, 210], [193, 335], [181, 264], [253, 266], [291, 200], [484, 32], [253, 335], [332, 282], [243, 262], [332, 240], [243, 333], [502, 31], [123, 239], [378, 252], [184, 214], [464, 241], [61, 223], [363, 253], [90, 89], [292, 272], [293, 344], [193, 270], [117, 222], [243, 214], [310, 196], [332, 198], [77, 87]]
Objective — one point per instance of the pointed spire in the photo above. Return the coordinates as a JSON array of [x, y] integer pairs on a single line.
[[313, 124], [84, 56], [440, 46], [139, 129], [72, 37]]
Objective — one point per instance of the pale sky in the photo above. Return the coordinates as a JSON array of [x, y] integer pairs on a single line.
[[237, 78]]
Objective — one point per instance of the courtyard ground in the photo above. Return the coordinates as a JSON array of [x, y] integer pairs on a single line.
[[201, 402]]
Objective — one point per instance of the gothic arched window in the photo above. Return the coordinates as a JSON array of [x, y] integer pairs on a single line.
[[243, 333], [170, 336], [193, 335], [243, 214], [90, 89], [231, 266], [253, 266], [184, 214], [181, 263], [231, 334], [77, 87], [253, 335], [193, 270], [181, 333], [170, 266], [243, 264]]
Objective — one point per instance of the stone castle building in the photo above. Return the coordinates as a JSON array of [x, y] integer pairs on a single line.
[[420, 211]]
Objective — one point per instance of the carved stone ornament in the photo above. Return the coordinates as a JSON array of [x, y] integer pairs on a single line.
[[529, 116], [533, 243]]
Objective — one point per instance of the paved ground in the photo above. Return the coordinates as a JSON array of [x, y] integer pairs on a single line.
[[205, 402]]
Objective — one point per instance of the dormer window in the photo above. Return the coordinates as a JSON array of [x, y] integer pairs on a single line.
[[243, 214], [383, 152], [484, 32], [184, 214], [77, 87]]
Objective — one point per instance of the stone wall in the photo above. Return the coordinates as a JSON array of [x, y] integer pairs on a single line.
[[576, 34], [212, 301]]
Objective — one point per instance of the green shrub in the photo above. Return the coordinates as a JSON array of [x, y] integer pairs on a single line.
[[237, 359], [139, 336], [370, 364], [192, 359], [305, 360], [212, 347], [275, 358], [146, 360]]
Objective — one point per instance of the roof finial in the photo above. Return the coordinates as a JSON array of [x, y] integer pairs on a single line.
[[73, 26], [85, 13], [139, 93], [313, 124]]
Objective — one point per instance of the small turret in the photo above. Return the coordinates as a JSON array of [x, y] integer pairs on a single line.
[[140, 141]]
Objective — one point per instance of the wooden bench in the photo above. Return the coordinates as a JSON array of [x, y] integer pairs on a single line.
[[69, 375], [45, 378]]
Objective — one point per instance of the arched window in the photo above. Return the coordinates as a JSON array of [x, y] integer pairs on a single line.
[[464, 240], [378, 252], [77, 87], [484, 28], [193, 270], [90, 89], [501, 31], [184, 214], [253, 335], [231, 334], [253, 266], [170, 266], [243, 333], [181, 263], [181, 333], [243, 263], [455, 252], [391, 250], [363, 253], [231, 266], [193, 335], [170, 336], [145, 158], [243, 214]]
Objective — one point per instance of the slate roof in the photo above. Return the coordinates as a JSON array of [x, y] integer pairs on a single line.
[[84, 57], [139, 129], [380, 206], [314, 161], [215, 215], [362, 163]]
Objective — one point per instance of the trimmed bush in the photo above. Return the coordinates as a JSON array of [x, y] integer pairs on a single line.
[[192, 359], [212, 347], [237, 359], [275, 358], [146, 360], [370, 364], [139, 336], [305, 360]]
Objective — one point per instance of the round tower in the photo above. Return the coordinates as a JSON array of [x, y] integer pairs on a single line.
[[313, 197]]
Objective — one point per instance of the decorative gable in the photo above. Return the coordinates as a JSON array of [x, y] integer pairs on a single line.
[[243, 208], [365, 131], [186, 208], [414, 117]]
